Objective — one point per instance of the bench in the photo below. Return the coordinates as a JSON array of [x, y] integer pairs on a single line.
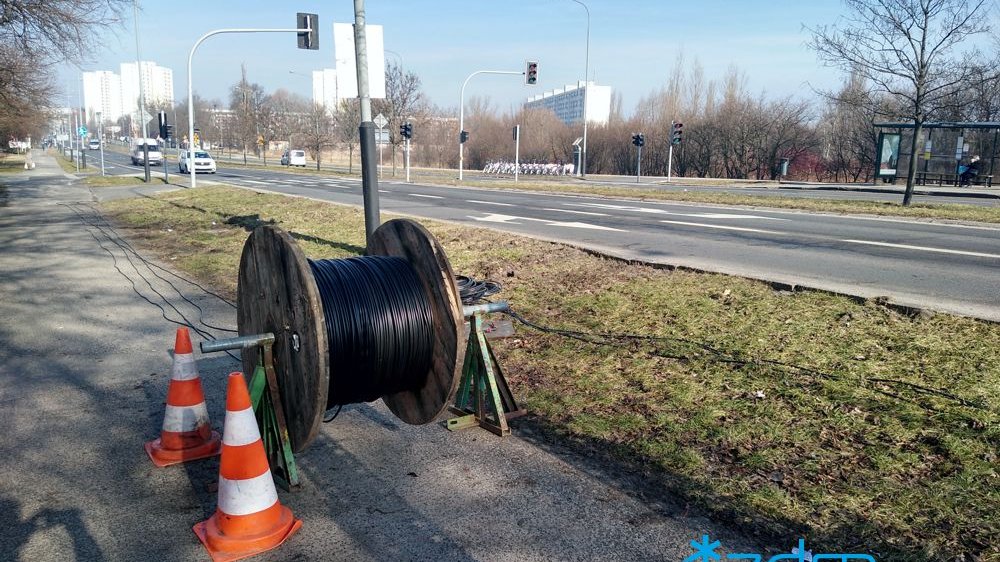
[[928, 178]]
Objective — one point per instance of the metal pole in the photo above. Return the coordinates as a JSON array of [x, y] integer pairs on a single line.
[[461, 112], [76, 133], [191, 87], [586, 91], [142, 96], [380, 143], [517, 151], [638, 163], [670, 160], [407, 160], [100, 136], [369, 175]]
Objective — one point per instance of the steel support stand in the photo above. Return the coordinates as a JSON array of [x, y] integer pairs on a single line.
[[267, 407], [483, 399]]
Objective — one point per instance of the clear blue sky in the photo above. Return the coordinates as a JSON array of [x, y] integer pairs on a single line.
[[633, 44]]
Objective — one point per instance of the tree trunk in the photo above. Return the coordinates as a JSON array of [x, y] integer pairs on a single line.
[[350, 159], [911, 169]]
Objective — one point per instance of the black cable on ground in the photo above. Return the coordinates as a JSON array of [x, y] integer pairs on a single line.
[[599, 338], [185, 321]]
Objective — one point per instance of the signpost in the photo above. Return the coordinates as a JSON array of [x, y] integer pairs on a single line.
[[380, 122], [517, 150]]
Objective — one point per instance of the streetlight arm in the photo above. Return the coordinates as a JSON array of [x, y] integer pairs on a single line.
[[461, 112], [191, 86]]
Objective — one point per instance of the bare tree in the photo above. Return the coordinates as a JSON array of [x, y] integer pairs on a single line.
[[403, 100], [346, 121], [908, 49], [35, 36], [246, 100], [316, 131]]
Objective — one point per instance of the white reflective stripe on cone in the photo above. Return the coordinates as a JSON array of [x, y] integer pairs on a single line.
[[179, 419], [245, 497], [185, 368], [240, 428]]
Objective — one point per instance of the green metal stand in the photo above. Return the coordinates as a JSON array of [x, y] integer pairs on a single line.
[[271, 421], [483, 399]]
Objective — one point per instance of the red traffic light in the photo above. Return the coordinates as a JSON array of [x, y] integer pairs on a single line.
[[531, 72]]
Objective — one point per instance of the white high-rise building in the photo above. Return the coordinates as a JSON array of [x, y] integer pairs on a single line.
[[567, 103], [157, 84], [102, 92], [325, 88]]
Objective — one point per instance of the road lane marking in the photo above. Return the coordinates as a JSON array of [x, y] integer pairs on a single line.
[[724, 227], [427, 196], [382, 191], [725, 216], [509, 219], [924, 248], [489, 203], [653, 211], [578, 212]]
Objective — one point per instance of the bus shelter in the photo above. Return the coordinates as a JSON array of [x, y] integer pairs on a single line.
[[943, 149]]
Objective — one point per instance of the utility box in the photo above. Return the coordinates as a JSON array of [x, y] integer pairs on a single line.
[[784, 167]]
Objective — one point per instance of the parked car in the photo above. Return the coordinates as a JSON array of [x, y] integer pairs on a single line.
[[153, 149], [94, 144], [294, 158], [203, 162]]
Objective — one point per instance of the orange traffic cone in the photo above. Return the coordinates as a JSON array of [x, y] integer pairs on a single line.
[[249, 519], [187, 434]]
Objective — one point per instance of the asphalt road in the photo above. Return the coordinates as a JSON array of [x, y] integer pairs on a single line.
[[942, 266]]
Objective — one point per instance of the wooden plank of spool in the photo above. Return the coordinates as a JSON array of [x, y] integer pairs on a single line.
[[277, 294], [408, 239]]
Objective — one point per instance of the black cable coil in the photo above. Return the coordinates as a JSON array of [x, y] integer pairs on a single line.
[[379, 326]]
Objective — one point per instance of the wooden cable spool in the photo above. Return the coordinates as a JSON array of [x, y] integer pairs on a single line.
[[277, 293]]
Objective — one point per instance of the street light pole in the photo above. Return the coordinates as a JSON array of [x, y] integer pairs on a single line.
[[586, 92], [100, 137], [461, 113], [142, 96]]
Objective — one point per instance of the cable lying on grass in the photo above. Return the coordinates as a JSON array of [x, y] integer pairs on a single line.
[[735, 358]]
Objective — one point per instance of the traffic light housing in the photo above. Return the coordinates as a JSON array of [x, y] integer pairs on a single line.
[[168, 132], [638, 139], [463, 136], [531, 72], [406, 130], [308, 39], [678, 130]]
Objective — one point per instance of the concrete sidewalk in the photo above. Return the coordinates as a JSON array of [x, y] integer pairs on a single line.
[[84, 365]]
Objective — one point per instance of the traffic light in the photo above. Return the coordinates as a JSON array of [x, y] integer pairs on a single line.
[[168, 132], [406, 130], [531, 72], [162, 119], [638, 139], [678, 129], [308, 39], [463, 136]]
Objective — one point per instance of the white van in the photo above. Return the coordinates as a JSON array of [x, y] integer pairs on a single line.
[[294, 158], [94, 144], [152, 148]]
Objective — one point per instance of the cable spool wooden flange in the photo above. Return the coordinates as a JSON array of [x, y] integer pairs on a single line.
[[277, 293]]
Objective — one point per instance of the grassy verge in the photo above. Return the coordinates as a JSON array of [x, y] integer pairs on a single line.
[[859, 452], [120, 181], [11, 163], [64, 161]]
